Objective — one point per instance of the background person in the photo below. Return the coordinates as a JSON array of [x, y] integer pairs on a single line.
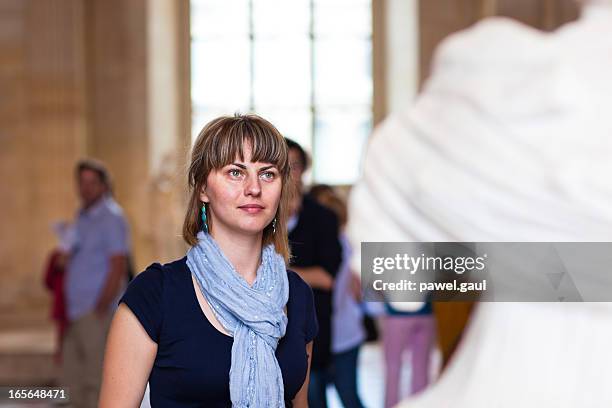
[[316, 257], [348, 333], [96, 271]]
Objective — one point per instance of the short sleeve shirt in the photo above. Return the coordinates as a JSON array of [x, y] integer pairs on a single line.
[[100, 232], [193, 360]]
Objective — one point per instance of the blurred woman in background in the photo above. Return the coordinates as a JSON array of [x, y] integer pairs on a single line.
[[348, 333]]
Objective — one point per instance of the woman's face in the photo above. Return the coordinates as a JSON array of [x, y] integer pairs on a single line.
[[243, 196]]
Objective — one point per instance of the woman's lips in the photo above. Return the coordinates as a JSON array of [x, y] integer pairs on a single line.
[[251, 208]]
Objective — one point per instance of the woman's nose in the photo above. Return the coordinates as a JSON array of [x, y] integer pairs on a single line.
[[252, 186]]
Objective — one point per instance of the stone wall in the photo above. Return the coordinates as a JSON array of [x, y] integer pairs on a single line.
[[76, 81]]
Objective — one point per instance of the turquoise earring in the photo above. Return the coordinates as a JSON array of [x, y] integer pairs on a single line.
[[204, 224]]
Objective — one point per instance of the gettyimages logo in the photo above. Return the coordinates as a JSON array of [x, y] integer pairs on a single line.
[[493, 271], [412, 265]]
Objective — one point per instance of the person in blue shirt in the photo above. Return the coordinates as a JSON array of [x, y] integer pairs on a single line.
[[228, 324], [96, 272]]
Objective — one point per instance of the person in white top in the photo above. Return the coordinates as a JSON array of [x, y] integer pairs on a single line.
[[510, 140]]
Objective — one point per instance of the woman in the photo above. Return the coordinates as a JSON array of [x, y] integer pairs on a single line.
[[227, 324]]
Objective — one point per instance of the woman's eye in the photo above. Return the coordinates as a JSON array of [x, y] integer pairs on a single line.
[[234, 173], [268, 175]]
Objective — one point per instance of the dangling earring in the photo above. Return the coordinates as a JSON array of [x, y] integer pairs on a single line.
[[204, 224], [274, 226]]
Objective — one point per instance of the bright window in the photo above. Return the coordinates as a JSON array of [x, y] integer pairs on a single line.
[[305, 65]]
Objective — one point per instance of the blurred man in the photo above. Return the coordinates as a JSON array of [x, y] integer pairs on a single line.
[[96, 273], [510, 140]]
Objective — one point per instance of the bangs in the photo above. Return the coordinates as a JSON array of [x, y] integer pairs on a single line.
[[220, 143], [230, 135]]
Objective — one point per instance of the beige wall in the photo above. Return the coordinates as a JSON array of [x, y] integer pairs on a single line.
[[42, 132], [134, 115], [75, 80]]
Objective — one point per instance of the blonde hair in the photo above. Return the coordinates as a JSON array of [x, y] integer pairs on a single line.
[[217, 145]]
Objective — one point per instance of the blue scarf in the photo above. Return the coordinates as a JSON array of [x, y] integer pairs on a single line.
[[253, 315]]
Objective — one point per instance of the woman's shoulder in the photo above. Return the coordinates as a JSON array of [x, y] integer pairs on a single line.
[[179, 265], [155, 274], [146, 293], [156, 269]]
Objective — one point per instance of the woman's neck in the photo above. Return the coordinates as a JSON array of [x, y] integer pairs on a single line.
[[243, 252]]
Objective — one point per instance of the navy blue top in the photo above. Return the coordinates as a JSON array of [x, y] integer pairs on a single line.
[[314, 242], [193, 358]]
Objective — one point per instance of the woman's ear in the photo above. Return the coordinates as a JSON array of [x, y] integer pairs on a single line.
[[203, 195]]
